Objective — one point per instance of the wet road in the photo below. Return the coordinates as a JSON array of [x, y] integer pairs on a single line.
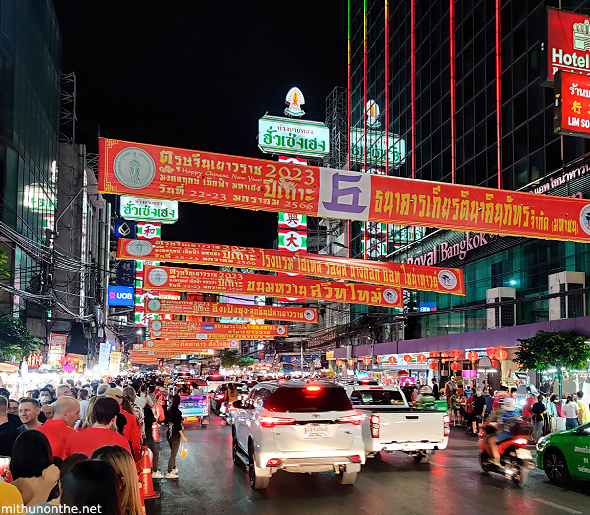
[[451, 484]]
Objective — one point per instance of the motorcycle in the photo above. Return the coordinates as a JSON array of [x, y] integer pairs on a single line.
[[515, 460]]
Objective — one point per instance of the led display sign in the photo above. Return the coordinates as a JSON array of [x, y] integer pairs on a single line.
[[121, 296]]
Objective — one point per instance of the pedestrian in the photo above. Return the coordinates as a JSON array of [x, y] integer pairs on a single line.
[[583, 412], [150, 420], [526, 409], [63, 390], [538, 411], [92, 484], [45, 396], [435, 389], [130, 397], [83, 400], [104, 415], [131, 431], [489, 403], [13, 406], [8, 432], [28, 411], [32, 467], [571, 413], [174, 434], [120, 459], [479, 409], [60, 430], [47, 412]]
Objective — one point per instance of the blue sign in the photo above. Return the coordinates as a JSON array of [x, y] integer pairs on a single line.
[[295, 359], [426, 306], [125, 229], [126, 273], [207, 327], [121, 296]]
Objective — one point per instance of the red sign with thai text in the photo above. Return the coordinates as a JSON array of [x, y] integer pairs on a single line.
[[572, 109]]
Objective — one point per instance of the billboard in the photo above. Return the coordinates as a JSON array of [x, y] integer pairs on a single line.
[[57, 347], [572, 104], [278, 135], [206, 281], [121, 296], [568, 43], [149, 231], [232, 330], [249, 183], [379, 148], [411, 276], [222, 310], [148, 209]]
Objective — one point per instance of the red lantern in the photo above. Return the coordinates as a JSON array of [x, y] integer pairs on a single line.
[[433, 366], [433, 355], [473, 356], [367, 361], [403, 373], [408, 358], [494, 363], [421, 358], [490, 352], [378, 359], [339, 362], [444, 354], [455, 354], [455, 366], [392, 360], [350, 362], [501, 354]]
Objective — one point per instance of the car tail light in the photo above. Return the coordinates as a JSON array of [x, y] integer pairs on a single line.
[[270, 422], [375, 387], [351, 419], [447, 419], [375, 426], [274, 462], [313, 388], [355, 459], [521, 441], [447, 424]]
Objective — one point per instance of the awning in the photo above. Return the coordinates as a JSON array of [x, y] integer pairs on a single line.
[[8, 367]]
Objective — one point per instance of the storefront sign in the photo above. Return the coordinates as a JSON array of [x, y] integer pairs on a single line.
[[57, 347], [567, 175], [278, 135], [104, 354], [234, 330], [445, 250], [221, 310], [568, 43], [295, 359], [149, 231], [377, 148], [148, 209], [572, 104], [206, 281], [394, 275], [206, 178], [115, 362], [120, 295], [324, 336]]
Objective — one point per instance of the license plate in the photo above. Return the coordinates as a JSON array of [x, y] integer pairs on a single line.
[[524, 454], [189, 419], [316, 431], [408, 447]]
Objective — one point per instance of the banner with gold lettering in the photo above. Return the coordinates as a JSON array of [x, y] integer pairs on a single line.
[[218, 309], [207, 178], [207, 281], [235, 331], [395, 275]]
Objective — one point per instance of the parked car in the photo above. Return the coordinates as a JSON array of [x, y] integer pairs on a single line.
[[297, 426]]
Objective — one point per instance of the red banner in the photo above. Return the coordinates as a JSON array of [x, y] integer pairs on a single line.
[[235, 331], [218, 309], [395, 275], [177, 343], [193, 279], [572, 108], [207, 178]]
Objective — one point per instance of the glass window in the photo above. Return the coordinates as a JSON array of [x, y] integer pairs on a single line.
[[299, 400]]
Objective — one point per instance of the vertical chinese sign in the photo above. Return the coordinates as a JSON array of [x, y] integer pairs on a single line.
[[57, 348]]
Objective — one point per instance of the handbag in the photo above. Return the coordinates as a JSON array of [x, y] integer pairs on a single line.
[[184, 450]]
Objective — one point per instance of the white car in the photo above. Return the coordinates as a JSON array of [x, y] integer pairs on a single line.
[[297, 426]]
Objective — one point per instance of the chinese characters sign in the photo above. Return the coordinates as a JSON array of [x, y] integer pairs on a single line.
[[148, 209], [417, 277], [216, 309], [568, 43], [572, 106], [294, 137], [191, 279], [247, 183]]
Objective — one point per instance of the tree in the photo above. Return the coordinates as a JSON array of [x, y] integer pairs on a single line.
[[244, 362], [228, 358], [4, 268], [15, 339], [553, 351]]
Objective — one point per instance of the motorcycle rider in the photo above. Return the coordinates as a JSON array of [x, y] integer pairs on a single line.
[[507, 416], [426, 398]]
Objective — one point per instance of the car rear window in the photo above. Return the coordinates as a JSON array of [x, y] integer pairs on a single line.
[[301, 400], [376, 398]]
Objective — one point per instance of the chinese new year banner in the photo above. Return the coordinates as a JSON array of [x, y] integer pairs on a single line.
[[193, 279], [218, 309], [206, 178], [234, 330], [395, 275]]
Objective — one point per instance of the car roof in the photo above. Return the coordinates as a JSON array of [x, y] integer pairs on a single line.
[[298, 383]]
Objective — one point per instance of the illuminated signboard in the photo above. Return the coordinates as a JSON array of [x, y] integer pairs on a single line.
[[380, 149], [37, 199], [295, 137], [568, 43], [294, 100], [121, 296], [572, 106], [148, 209], [149, 231]]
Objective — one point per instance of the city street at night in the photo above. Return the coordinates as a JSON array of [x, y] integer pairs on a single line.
[[453, 482]]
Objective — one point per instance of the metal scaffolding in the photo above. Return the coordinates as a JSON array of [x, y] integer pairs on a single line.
[[67, 122], [337, 122]]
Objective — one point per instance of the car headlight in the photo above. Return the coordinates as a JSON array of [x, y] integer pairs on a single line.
[[542, 443]]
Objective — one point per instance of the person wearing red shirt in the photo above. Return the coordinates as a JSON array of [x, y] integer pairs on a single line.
[[102, 433], [526, 409], [131, 432], [59, 431]]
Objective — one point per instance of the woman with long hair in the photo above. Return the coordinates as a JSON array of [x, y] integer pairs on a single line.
[[32, 467], [174, 434], [571, 413], [83, 401], [95, 484], [120, 459], [88, 419], [130, 396]]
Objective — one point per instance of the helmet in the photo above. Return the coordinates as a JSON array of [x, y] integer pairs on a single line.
[[426, 390], [507, 404]]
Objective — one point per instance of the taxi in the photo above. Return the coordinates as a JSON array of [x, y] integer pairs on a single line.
[[565, 453]]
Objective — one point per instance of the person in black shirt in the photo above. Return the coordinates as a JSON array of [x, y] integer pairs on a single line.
[[479, 408], [538, 409], [435, 389], [174, 435], [8, 432]]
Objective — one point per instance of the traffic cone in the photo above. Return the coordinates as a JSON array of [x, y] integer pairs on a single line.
[[147, 486], [141, 497], [155, 432]]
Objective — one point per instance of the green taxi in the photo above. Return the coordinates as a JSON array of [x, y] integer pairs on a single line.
[[565, 453]]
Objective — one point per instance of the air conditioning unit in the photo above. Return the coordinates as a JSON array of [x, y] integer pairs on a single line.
[[567, 306], [501, 316]]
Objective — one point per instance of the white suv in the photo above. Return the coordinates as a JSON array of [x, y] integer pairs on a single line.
[[297, 426]]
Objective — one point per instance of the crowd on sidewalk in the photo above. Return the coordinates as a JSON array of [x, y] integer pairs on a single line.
[[82, 445]]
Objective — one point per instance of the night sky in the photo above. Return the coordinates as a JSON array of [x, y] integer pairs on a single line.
[[198, 74]]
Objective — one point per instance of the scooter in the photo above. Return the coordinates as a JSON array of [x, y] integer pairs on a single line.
[[515, 460]]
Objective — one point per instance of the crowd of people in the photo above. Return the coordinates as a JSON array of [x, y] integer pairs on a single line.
[[81, 445]]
